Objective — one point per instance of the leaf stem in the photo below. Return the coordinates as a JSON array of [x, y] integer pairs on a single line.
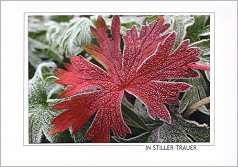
[[195, 106], [199, 66]]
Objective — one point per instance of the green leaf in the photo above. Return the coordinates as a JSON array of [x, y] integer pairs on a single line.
[[132, 118], [206, 61], [39, 49], [79, 136], [77, 34], [35, 25], [141, 110], [129, 21], [150, 19], [54, 33], [142, 138], [180, 130], [194, 94], [35, 53], [198, 29], [40, 111], [204, 45], [179, 23], [60, 18]]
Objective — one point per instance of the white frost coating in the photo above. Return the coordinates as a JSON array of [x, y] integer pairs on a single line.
[[179, 130], [179, 23], [54, 32], [52, 91], [204, 45], [146, 107], [77, 33], [38, 74], [194, 94]]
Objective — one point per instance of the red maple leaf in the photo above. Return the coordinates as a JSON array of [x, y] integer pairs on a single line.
[[143, 70]]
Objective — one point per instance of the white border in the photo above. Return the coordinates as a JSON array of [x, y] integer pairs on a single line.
[[14, 153]]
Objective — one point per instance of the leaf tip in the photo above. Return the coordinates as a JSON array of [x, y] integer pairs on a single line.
[[101, 23], [167, 119], [93, 30], [161, 19]]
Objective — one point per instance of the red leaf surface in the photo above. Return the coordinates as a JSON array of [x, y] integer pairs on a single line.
[[144, 70]]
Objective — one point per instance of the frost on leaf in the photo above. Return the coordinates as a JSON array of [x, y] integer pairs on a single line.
[[199, 29], [76, 35], [204, 45], [143, 70], [54, 33], [142, 138], [180, 130], [40, 112], [133, 119], [194, 94], [140, 110], [38, 46], [180, 23], [79, 136]]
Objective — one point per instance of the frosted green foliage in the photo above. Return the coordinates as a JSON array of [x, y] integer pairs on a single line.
[[77, 34], [35, 52], [43, 93], [138, 114], [41, 90], [54, 33], [126, 21], [60, 18], [79, 136], [40, 113], [39, 49], [194, 33], [132, 19], [204, 45], [205, 60], [142, 138], [194, 94], [35, 25], [179, 23], [51, 40], [129, 21], [141, 110], [198, 29], [150, 19], [132, 119], [38, 46], [42, 69], [180, 130]]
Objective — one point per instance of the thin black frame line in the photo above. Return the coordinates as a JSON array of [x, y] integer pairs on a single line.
[[214, 35], [24, 54], [118, 12], [93, 145], [57, 144], [0, 87], [76, 144], [142, 144]]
